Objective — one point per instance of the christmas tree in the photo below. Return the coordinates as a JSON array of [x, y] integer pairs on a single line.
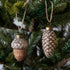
[[34, 26]]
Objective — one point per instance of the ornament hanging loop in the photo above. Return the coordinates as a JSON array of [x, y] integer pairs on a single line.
[[49, 20], [23, 19], [20, 28]]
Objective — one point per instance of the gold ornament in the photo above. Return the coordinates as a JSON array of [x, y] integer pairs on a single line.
[[19, 45], [49, 41]]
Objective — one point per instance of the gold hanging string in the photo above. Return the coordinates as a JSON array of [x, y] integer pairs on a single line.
[[49, 20], [23, 18], [20, 28], [17, 20], [26, 3]]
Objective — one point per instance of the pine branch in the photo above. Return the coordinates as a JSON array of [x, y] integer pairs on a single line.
[[5, 65], [61, 63]]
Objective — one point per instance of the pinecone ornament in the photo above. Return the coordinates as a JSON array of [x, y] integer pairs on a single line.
[[49, 41], [19, 45]]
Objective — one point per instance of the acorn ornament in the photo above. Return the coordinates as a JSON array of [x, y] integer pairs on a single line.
[[19, 45], [49, 41]]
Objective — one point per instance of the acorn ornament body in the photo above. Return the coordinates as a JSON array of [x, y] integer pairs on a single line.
[[49, 42], [19, 45]]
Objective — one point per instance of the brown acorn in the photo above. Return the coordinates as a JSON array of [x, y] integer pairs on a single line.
[[19, 45], [49, 42], [20, 54]]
